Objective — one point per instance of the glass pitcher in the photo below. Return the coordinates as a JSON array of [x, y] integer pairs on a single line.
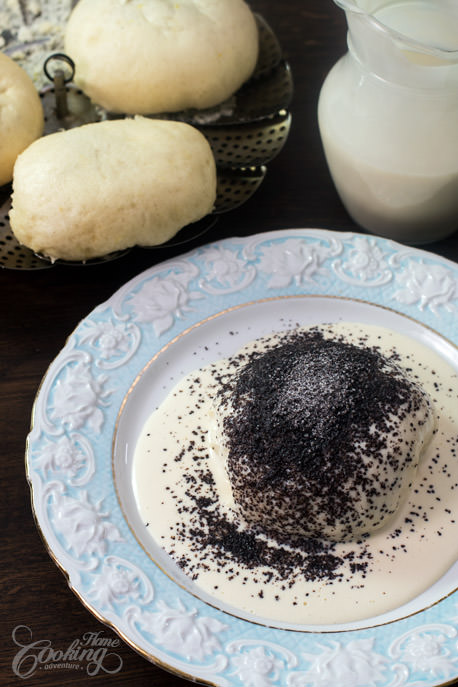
[[388, 118]]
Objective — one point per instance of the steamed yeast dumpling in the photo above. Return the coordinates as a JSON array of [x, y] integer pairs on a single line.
[[21, 115], [152, 56], [103, 187], [320, 437]]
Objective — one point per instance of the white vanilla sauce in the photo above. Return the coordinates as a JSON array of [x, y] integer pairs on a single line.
[[179, 447]]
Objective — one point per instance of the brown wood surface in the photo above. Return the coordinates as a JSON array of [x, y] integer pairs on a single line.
[[40, 309]]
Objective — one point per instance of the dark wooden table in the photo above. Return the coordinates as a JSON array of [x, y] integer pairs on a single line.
[[40, 309]]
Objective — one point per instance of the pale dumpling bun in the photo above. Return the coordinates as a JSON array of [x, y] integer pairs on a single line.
[[103, 187], [21, 115], [153, 56]]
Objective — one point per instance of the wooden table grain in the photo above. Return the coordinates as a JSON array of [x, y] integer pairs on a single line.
[[39, 309]]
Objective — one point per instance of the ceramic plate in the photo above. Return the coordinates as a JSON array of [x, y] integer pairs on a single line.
[[122, 359]]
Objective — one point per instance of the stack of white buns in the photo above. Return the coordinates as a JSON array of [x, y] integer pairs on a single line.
[[103, 187]]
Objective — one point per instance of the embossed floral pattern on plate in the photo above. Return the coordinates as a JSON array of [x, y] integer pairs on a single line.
[[70, 472]]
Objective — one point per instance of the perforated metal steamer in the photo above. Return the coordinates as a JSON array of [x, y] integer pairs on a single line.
[[245, 133]]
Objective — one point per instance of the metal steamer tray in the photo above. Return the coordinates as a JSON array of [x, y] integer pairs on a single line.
[[245, 133]]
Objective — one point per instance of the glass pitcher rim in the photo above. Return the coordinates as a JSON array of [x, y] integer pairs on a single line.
[[421, 46]]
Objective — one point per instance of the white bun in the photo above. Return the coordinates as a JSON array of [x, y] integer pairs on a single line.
[[103, 187], [21, 115], [153, 56]]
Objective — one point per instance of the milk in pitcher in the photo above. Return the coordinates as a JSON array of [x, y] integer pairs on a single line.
[[388, 116]]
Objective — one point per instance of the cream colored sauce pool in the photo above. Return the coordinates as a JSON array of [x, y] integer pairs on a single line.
[[178, 447]]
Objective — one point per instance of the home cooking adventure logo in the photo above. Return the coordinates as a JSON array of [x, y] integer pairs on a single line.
[[92, 653]]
